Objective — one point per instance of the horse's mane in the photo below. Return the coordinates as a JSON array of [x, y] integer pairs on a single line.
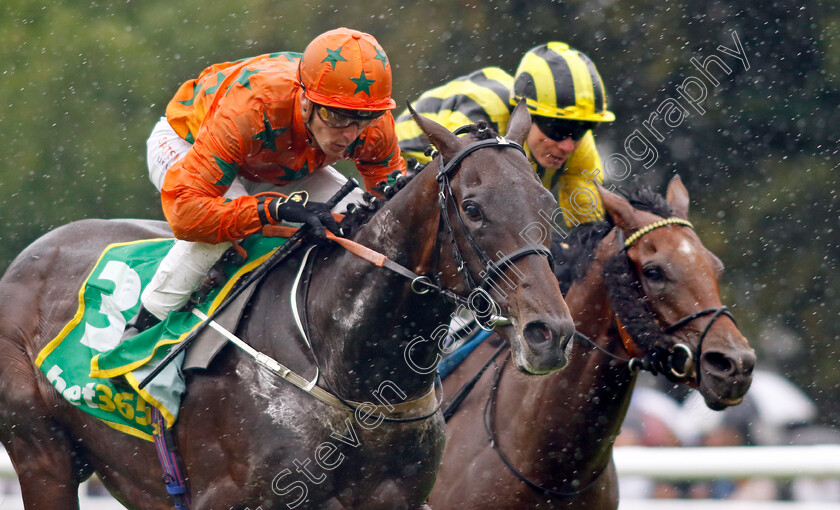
[[645, 199], [623, 287], [358, 215], [583, 238]]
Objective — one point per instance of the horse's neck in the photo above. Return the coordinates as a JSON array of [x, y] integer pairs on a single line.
[[364, 317], [587, 400]]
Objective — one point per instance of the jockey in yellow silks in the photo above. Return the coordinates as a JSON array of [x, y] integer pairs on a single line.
[[566, 98]]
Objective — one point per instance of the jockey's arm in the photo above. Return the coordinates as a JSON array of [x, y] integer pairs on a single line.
[[378, 154], [192, 190]]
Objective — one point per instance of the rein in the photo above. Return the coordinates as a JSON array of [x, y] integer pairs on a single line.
[[478, 299], [489, 426], [422, 284]]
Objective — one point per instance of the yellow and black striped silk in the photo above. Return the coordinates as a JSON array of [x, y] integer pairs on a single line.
[[486, 95], [482, 95]]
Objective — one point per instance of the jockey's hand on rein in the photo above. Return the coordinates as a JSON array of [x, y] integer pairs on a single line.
[[315, 214]]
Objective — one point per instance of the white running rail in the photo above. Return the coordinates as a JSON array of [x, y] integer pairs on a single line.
[[778, 462]]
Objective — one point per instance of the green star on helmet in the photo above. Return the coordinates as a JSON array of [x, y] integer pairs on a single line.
[[380, 55], [334, 56], [362, 84]]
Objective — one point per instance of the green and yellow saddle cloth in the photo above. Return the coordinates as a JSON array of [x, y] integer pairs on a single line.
[[80, 361]]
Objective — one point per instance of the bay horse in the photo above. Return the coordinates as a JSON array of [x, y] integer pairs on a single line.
[[249, 439], [546, 442]]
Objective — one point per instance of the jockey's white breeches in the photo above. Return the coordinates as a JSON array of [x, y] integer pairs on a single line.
[[186, 264]]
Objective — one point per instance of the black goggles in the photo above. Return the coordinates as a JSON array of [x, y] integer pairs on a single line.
[[341, 118], [560, 129]]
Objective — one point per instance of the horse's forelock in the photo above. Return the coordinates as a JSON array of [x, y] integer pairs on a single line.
[[481, 131], [645, 199]]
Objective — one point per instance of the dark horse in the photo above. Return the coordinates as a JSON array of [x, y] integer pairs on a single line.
[[249, 439], [555, 433]]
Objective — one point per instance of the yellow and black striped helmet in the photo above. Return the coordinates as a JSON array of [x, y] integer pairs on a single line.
[[561, 83]]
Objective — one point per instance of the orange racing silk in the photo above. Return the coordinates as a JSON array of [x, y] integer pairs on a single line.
[[244, 121]]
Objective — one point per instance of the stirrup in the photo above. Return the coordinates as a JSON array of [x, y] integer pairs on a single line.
[[136, 325]]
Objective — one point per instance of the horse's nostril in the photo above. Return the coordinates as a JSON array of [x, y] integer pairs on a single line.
[[718, 363], [741, 364], [538, 333]]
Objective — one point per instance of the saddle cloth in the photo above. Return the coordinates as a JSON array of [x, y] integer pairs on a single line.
[[82, 359]]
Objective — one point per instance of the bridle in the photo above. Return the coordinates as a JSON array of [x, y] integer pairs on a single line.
[[635, 363], [478, 300], [421, 284], [680, 353]]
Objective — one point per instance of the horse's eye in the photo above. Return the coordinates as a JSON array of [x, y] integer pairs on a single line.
[[472, 211], [654, 273]]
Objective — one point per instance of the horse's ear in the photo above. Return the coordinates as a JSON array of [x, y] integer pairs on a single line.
[[446, 142], [677, 197], [620, 210], [520, 123]]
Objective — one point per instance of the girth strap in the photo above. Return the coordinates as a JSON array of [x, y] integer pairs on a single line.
[[423, 405]]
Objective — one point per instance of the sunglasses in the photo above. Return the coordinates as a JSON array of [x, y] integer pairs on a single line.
[[560, 129], [341, 119]]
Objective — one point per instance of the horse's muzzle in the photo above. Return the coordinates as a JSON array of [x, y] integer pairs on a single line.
[[725, 376], [544, 346]]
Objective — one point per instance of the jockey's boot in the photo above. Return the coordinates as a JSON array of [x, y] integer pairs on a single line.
[[139, 323], [136, 325]]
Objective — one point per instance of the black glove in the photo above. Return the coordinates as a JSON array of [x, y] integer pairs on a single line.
[[296, 208]]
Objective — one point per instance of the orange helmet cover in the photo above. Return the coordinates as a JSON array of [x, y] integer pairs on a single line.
[[345, 68]]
